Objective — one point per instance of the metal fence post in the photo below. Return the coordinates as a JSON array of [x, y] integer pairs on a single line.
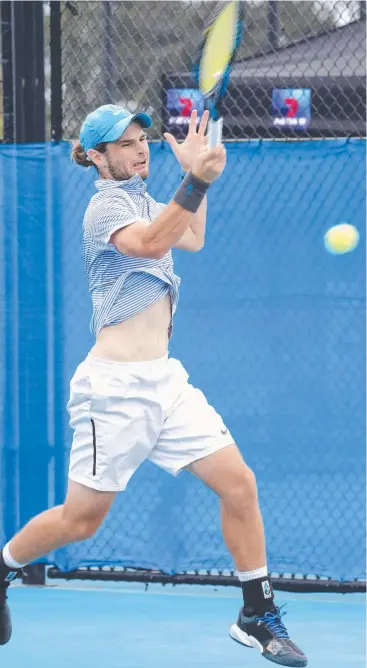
[[28, 68], [7, 66], [56, 71]]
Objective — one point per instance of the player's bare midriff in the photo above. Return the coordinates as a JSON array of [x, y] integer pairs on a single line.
[[142, 337]]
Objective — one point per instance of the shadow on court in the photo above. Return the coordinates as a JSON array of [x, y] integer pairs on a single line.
[[122, 626]]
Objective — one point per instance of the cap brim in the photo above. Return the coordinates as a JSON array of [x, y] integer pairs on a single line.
[[143, 119]]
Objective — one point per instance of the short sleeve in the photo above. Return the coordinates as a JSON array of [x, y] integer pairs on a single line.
[[108, 216]]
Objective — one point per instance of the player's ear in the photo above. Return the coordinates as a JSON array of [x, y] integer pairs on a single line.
[[96, 157]]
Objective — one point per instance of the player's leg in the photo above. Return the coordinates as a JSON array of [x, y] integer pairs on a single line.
[[260, 621], [227, 474], [194, 437], [114, 430], [77, 519]]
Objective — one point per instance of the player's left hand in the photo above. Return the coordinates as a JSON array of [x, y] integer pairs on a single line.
[[187, 151]]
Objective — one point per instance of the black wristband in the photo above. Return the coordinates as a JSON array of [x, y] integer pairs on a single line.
[[191, 192]]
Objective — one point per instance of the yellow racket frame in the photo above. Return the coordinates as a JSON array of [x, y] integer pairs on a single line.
[[218, 48]]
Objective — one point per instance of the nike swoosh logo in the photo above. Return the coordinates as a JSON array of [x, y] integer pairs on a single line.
[[224, 431]]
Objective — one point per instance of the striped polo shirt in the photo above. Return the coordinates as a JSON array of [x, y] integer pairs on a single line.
[[122, 286]]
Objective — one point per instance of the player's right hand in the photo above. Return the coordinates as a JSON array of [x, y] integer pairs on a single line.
[[209, 163]]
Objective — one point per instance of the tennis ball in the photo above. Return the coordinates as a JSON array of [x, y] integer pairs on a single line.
[[341, 239]]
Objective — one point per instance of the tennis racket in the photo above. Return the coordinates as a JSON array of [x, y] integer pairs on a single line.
[[216, 54]]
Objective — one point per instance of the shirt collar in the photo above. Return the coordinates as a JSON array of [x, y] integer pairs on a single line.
[[133, 185]]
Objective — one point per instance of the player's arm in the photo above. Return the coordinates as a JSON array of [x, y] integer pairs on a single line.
[[193, 238], [155, 239]]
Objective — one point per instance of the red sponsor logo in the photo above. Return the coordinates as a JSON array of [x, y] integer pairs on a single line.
[[187, 105], [292, 105]]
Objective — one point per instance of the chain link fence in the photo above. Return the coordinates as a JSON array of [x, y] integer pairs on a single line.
[[140, 55]]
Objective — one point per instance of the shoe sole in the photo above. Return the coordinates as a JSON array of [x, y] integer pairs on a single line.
[[6, 625], [243, 638]]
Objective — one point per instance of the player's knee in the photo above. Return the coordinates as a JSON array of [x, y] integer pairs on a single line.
[[80, 528], [243, 492], [84, 529]]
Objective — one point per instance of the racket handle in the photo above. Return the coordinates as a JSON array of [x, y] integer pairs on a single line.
[[215, 132]]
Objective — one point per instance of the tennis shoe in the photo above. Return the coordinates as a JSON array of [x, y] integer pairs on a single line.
[[6, 577], [268, 634]]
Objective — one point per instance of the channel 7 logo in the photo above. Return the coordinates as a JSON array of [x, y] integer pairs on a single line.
[[292, 108], [181, 102]]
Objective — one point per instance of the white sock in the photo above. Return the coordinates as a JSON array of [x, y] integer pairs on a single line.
[[246, 576], [8, 559]]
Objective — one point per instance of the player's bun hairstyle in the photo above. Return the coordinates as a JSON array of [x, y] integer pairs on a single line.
[[79, 156]]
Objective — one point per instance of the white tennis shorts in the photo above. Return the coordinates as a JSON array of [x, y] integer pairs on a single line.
[[124, 413]]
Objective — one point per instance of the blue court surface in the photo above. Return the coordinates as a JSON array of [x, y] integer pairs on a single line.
[[123, 626]]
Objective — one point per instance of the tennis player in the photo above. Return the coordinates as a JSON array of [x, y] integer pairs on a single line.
[[130, 401]]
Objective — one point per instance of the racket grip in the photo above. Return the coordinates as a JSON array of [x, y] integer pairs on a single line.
[[215, 132]]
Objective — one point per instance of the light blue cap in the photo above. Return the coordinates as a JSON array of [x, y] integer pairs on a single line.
[[108, 123]]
